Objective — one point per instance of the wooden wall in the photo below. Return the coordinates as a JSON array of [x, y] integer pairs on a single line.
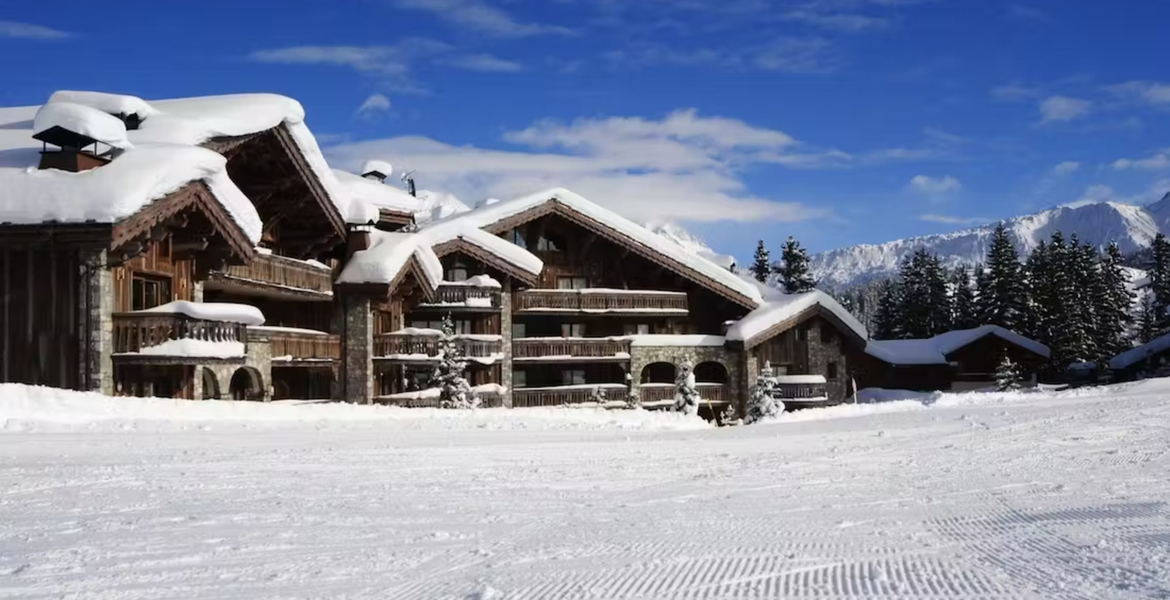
[[156, 262], [41, 315]]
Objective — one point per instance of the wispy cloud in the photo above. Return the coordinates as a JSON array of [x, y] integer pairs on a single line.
[[1063, 109], [951, 220], [1148, 92], [798, 55], [1021, 12], [1158, 162], [685, 165], [935, 186], [1067, 167], [375, 103], [850, 22], [28, 31], [479, 16], [484, 63], [781, 55]]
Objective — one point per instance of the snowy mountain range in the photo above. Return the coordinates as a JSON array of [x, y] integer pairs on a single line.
[[1132, 227]]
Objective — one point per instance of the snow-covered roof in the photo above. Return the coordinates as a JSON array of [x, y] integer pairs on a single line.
[[1134, 355], [211, 311], [779, 307], [377, 166], [675, 340], [934, 351], [486, 215], [114, 104], [376, 193], [87, 121], [388, 254], [496, 246]]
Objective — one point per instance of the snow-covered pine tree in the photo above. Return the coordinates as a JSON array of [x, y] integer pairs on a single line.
[[686, 398], [925, 305], [1086, 269], [449, 376], [887, 318], [1041, 299], [633, 399], [1160, 282], [1113, 304], [793, 270], [962, 300], [763, 404], [1002, 298], [761, 263], [1147, 320], [597, 395], [939, 296], [1071, 339], [1008, 375]]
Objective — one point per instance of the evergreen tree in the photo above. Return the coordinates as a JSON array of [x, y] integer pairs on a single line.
[[1160, 282], [633, 399], [1041, 299], [887, 319], [1071, 328], [1147, 320], [795, 277], [1113, 304], [763, 404], [454, 391], [686, 399], [1008, 375], [963, 300], [924, 303], [762, 263], [1002, 298], [939, 296]]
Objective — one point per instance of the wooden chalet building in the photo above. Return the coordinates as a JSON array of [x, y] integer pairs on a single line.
[[1151, 359], [960, 360]]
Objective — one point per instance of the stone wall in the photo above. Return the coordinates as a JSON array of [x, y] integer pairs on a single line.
[[97, 325], [506, 332], [821, 353], [641, 356], [355, 321]]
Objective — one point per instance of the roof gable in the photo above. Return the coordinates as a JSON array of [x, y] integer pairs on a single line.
[[785, 311], [936, 350]]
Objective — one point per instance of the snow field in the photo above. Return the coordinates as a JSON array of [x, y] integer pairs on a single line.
[[1021, 495]]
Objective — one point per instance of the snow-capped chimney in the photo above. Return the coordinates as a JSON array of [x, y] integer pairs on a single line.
[[376, 169], [77, 130]]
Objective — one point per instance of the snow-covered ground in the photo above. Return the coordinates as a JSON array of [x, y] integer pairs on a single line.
[[1045, 495]]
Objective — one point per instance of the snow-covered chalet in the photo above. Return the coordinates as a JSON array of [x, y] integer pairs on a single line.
[[203, 248]]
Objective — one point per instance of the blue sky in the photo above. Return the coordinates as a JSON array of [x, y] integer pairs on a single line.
[[837, 121]]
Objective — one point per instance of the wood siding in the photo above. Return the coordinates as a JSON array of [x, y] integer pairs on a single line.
[[42, 310]]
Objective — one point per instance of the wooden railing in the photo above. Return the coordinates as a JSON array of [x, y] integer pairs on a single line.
[[600, 301], [395, 344], [591, 348], [283, 272], [799, 391], [486, 400], [464, 296], [135, 331], [304, 346], [522, 398], [708, 392]]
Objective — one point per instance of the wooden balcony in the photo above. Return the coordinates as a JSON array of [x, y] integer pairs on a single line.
[[425, 348], [602, 301], [176, 339], [276, 275], [801, 392], [293, 347], [577, 394], [463, 298], [560, 349], [651, 393]]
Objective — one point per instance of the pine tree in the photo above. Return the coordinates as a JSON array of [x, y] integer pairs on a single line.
[[686, 399], [795, 277], [454, 391], [763, 404], [1160, 282], [762, 263], [1147, 320], [941, 305], [1041, 300], [1113, 304], [1008, 375], [1069, 325], [887, 319], [924, 303], [1002, 299], [633, 399], [963, 300]]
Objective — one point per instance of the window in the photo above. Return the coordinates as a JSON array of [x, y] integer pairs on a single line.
[[149, 292], [519, 331], [831, 371], [549, 244], [519, 379], [801, 333], [572, 330], [572, 283], [517, 237], [458, 273], [635, 329], [573, 377]]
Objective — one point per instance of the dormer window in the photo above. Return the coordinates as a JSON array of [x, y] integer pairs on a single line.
[[77, 137]]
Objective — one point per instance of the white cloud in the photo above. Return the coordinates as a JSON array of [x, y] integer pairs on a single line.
[[1063, 108], [838, 21], [798, 55], [1102, 193], [484, 63], [949, 220], [478, 16], [935, 186], [1147, 92], [1158, 162], [28, 31], [374, 104], [684, 166], [781, 55], [1067, 167]]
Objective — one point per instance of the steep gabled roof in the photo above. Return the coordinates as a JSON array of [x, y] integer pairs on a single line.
[[501, 216], [936, 350], [781, 312], [389, 256], [1136, 354]]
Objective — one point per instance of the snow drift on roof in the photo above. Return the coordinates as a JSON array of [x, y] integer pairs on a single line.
[[1133, 355], [780, 307], [376, 193], [377, 166], [114, 104], [498, 247], [84, 120], [387, 255], [211, 311], [934, 351], [487, 215]]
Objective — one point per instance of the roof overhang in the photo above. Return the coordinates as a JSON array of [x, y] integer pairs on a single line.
[[475, 251], [804, 315], [195, 195]]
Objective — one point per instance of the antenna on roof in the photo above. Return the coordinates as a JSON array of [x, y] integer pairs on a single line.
[[408, 179]]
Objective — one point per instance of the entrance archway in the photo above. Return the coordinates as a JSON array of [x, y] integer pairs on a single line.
[[247, 384]]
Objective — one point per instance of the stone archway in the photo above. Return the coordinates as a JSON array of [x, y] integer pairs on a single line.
[[711, 372], [247, 384], [659, 372], [210, 384]]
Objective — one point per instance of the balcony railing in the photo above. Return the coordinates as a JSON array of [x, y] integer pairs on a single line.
[[649, 393], [425, 347], [553, 396], [282, 272], [602, 301], [292, 345], [146, 334], [801, 391], [533, 349], [467, 297]]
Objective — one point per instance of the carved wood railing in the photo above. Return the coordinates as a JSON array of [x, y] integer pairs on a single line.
[[708, 392], [522, 398], [600, 301], [595, 348], [464, 296], [283, 272], [397, 344], [800, 391], [304, 346], [135, 331]]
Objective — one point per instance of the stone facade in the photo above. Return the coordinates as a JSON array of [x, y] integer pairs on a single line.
[[97, 325], [822, 352], [355, 321], [642, 356], [506, 332]]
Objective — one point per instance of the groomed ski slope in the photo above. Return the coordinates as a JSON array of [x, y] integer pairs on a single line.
[[1045, 495]]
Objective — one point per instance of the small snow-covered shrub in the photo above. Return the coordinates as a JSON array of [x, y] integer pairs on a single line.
[[1008, 375], [597, 395], [633, 399], [763, 403], [686, 399]]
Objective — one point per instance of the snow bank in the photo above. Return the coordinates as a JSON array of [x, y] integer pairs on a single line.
[[87, 121], [29, 408], [194, 349], [211, 311]]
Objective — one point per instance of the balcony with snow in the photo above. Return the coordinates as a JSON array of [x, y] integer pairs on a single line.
[[418, 345], [274, 276], [459, 293]]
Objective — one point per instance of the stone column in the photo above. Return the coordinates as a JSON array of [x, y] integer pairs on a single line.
[[820, 354], [197, 291], [506, 331], [97, 324], [356, 380]]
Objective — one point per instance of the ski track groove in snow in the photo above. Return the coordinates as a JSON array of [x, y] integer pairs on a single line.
[[1061, 497]]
